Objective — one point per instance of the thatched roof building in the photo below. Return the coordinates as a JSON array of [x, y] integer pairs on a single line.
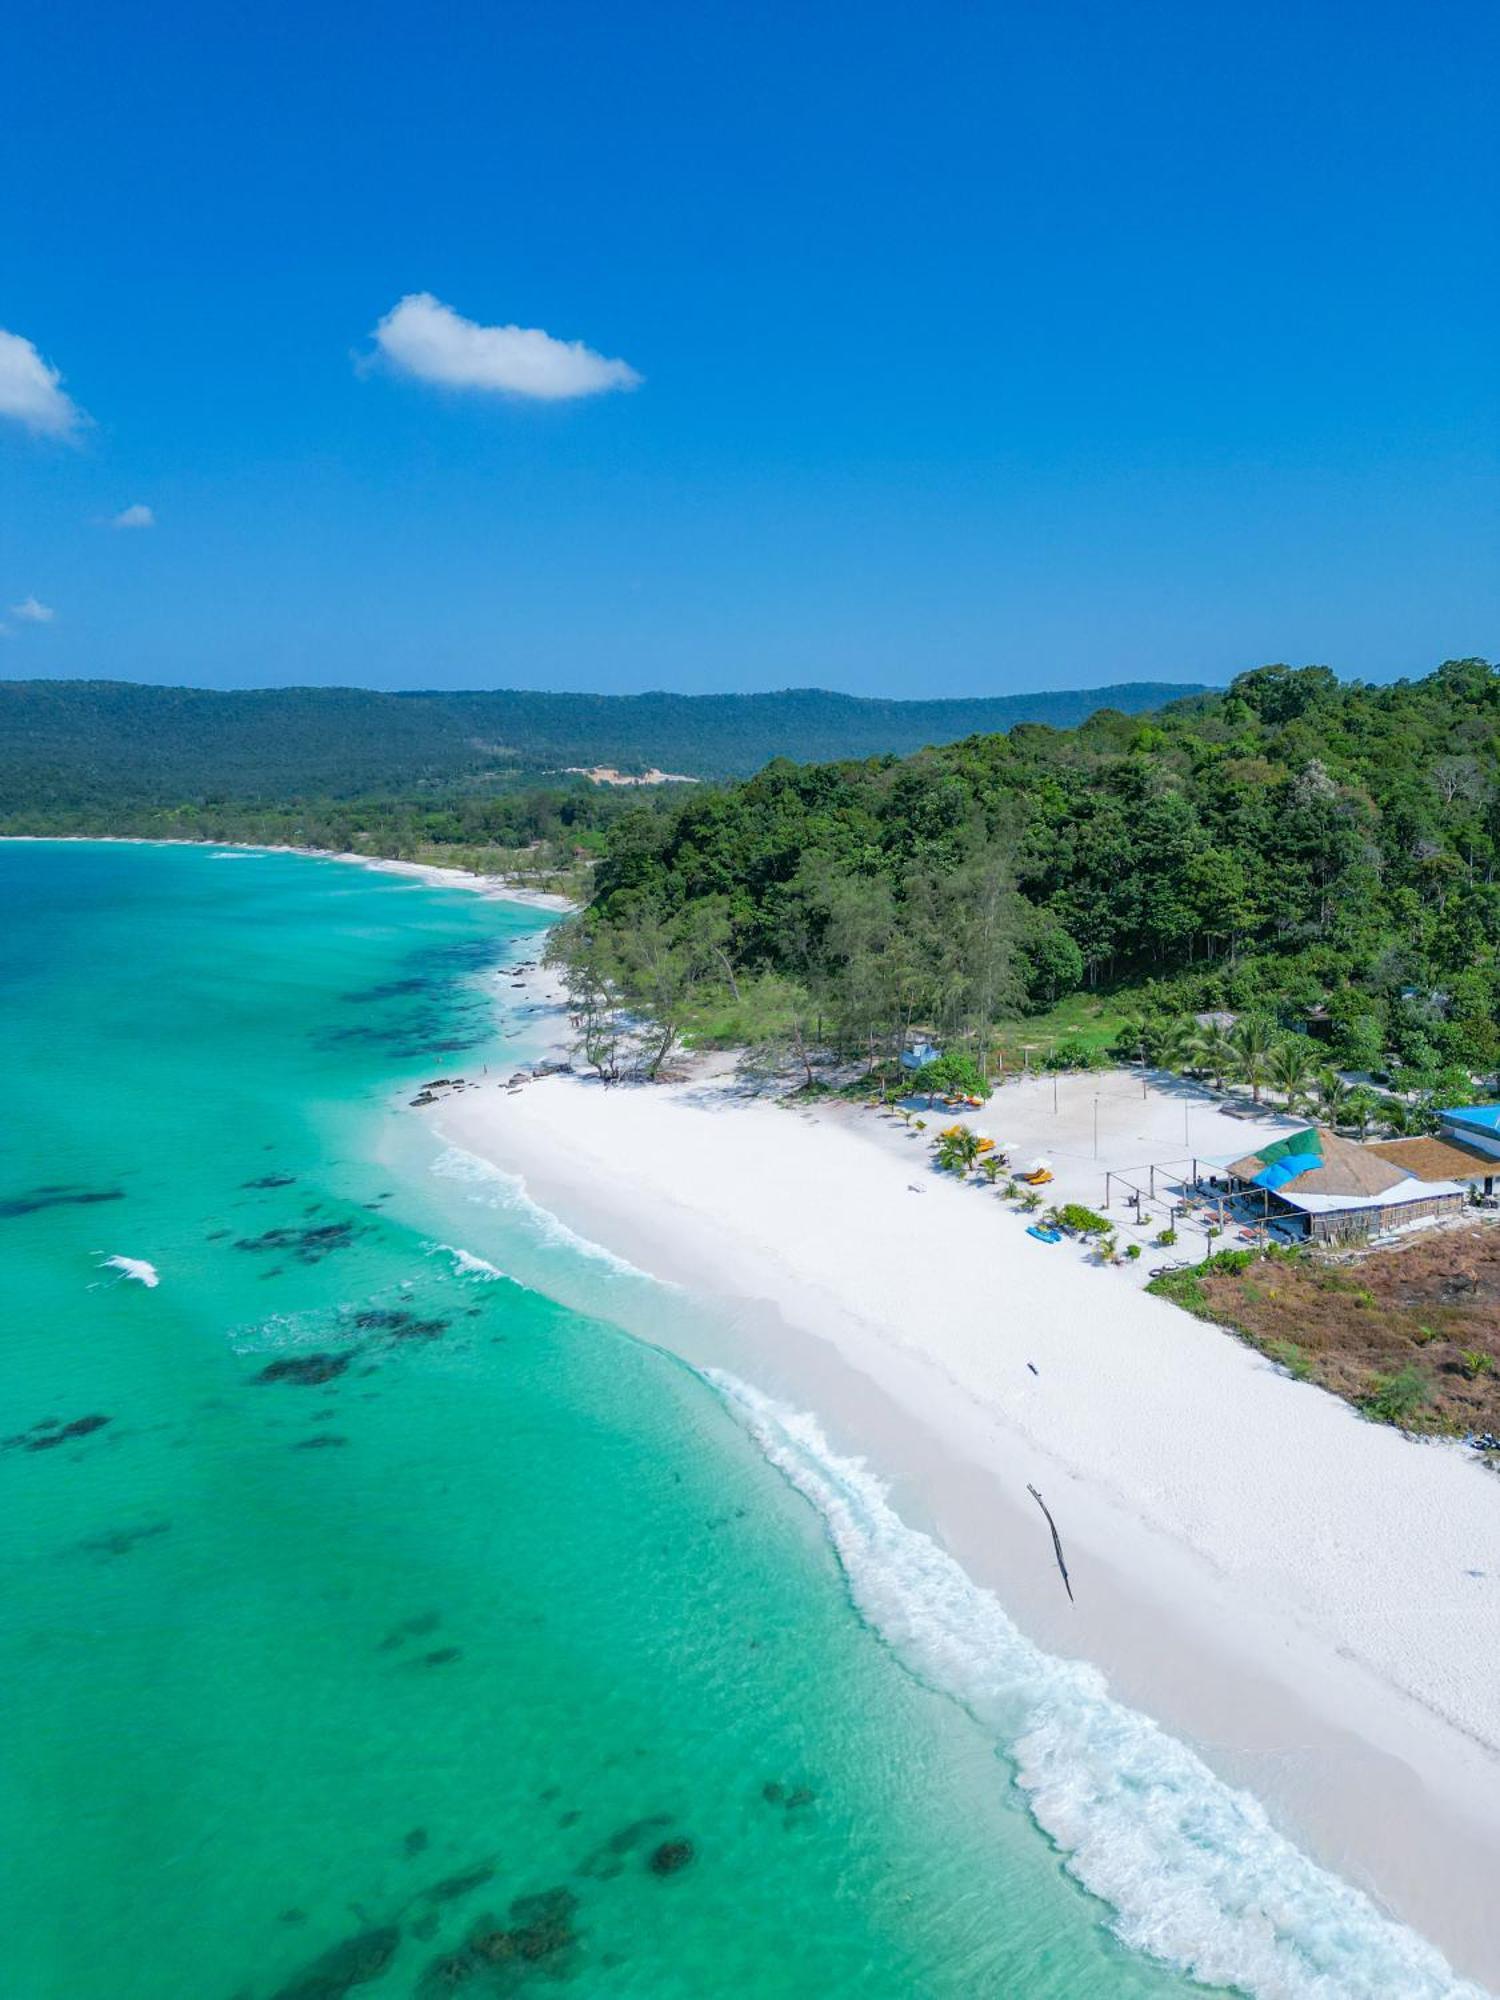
[[1342, 1190]]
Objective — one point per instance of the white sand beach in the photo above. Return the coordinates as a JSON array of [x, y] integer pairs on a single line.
[[1312, 1602], [504, 887]]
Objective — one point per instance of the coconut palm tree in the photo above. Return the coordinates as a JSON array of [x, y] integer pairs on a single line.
[[1400, 1119], [1361, 1106], [1405, 1117], [1135, 1039], [1217, 1053], [957, 1149], [1289, 1069], [1333, 1096], [1254, 1044], [1178, 1046]]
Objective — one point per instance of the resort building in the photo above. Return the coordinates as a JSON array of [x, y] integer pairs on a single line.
[[1475, 1129], [1466, 1149], [1337, 1191]]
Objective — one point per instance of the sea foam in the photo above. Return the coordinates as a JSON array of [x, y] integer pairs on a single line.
[[494, 1188], [465, 1263], [134, 1267], [1194, 1870]]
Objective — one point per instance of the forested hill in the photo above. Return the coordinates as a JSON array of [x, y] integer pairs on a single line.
[[1292, 850], [92, 745]]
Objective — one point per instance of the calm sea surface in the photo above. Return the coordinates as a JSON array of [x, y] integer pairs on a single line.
[[392, 1603]]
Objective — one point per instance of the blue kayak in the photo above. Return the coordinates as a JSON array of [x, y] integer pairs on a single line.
[[1043, 1234]]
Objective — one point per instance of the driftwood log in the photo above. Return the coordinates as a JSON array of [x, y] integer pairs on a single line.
[[1056, 1541]]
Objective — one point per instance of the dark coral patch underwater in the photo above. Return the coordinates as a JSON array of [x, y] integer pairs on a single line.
[[56, 1197]]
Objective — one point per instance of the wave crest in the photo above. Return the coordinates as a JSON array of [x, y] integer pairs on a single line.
[[1196, 1873], [136, 1268], [497, 1189], [465, 1263]]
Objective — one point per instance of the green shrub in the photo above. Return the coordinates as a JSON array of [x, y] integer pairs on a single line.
[[1229, 1260], [1183, 1289], [952, 1075], [1395, 1399], [1166, 1238], [1294, 1359], [1081, 1221], [1132, 1251]]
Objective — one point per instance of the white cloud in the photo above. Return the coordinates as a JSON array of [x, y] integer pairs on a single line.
[[33, 612], [31, 391], [423, 337], [137, 516]]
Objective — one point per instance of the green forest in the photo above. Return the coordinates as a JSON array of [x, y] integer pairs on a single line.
[[1317, 859], [80, 754]]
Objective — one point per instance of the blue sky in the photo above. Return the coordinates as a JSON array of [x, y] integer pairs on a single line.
[[979, 347]]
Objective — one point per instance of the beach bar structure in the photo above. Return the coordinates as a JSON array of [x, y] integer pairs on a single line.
[[1337, 1191], [1472, 1131]]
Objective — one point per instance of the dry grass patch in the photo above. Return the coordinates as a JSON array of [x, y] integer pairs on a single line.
[[1411, 1334]]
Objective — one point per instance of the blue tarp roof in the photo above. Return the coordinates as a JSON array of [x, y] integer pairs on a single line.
[[1290, 1167], [1485, 1116]]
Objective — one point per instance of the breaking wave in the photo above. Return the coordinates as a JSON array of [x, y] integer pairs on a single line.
[[465, 1263], [136, 1268], [1194, 1870], [493, 1188]]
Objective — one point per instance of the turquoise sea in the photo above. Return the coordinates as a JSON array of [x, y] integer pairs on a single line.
[[374, 1621]]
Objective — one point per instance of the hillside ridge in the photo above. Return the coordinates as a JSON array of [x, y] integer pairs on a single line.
[[72, 743]]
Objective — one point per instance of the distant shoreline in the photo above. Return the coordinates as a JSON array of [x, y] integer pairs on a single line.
[[502, 887]]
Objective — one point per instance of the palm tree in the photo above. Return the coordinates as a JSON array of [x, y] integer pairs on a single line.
[[1333, 1096], [1405, 1119], [1135, 1036], [1254, 1044], [1179, 1044], [1289, 1069], [1218, 1055], [957, 1149], [1401, 1120], [1362, 1106]]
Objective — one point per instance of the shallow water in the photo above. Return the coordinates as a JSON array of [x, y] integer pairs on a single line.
[[394, 1590], [506, 1603]]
